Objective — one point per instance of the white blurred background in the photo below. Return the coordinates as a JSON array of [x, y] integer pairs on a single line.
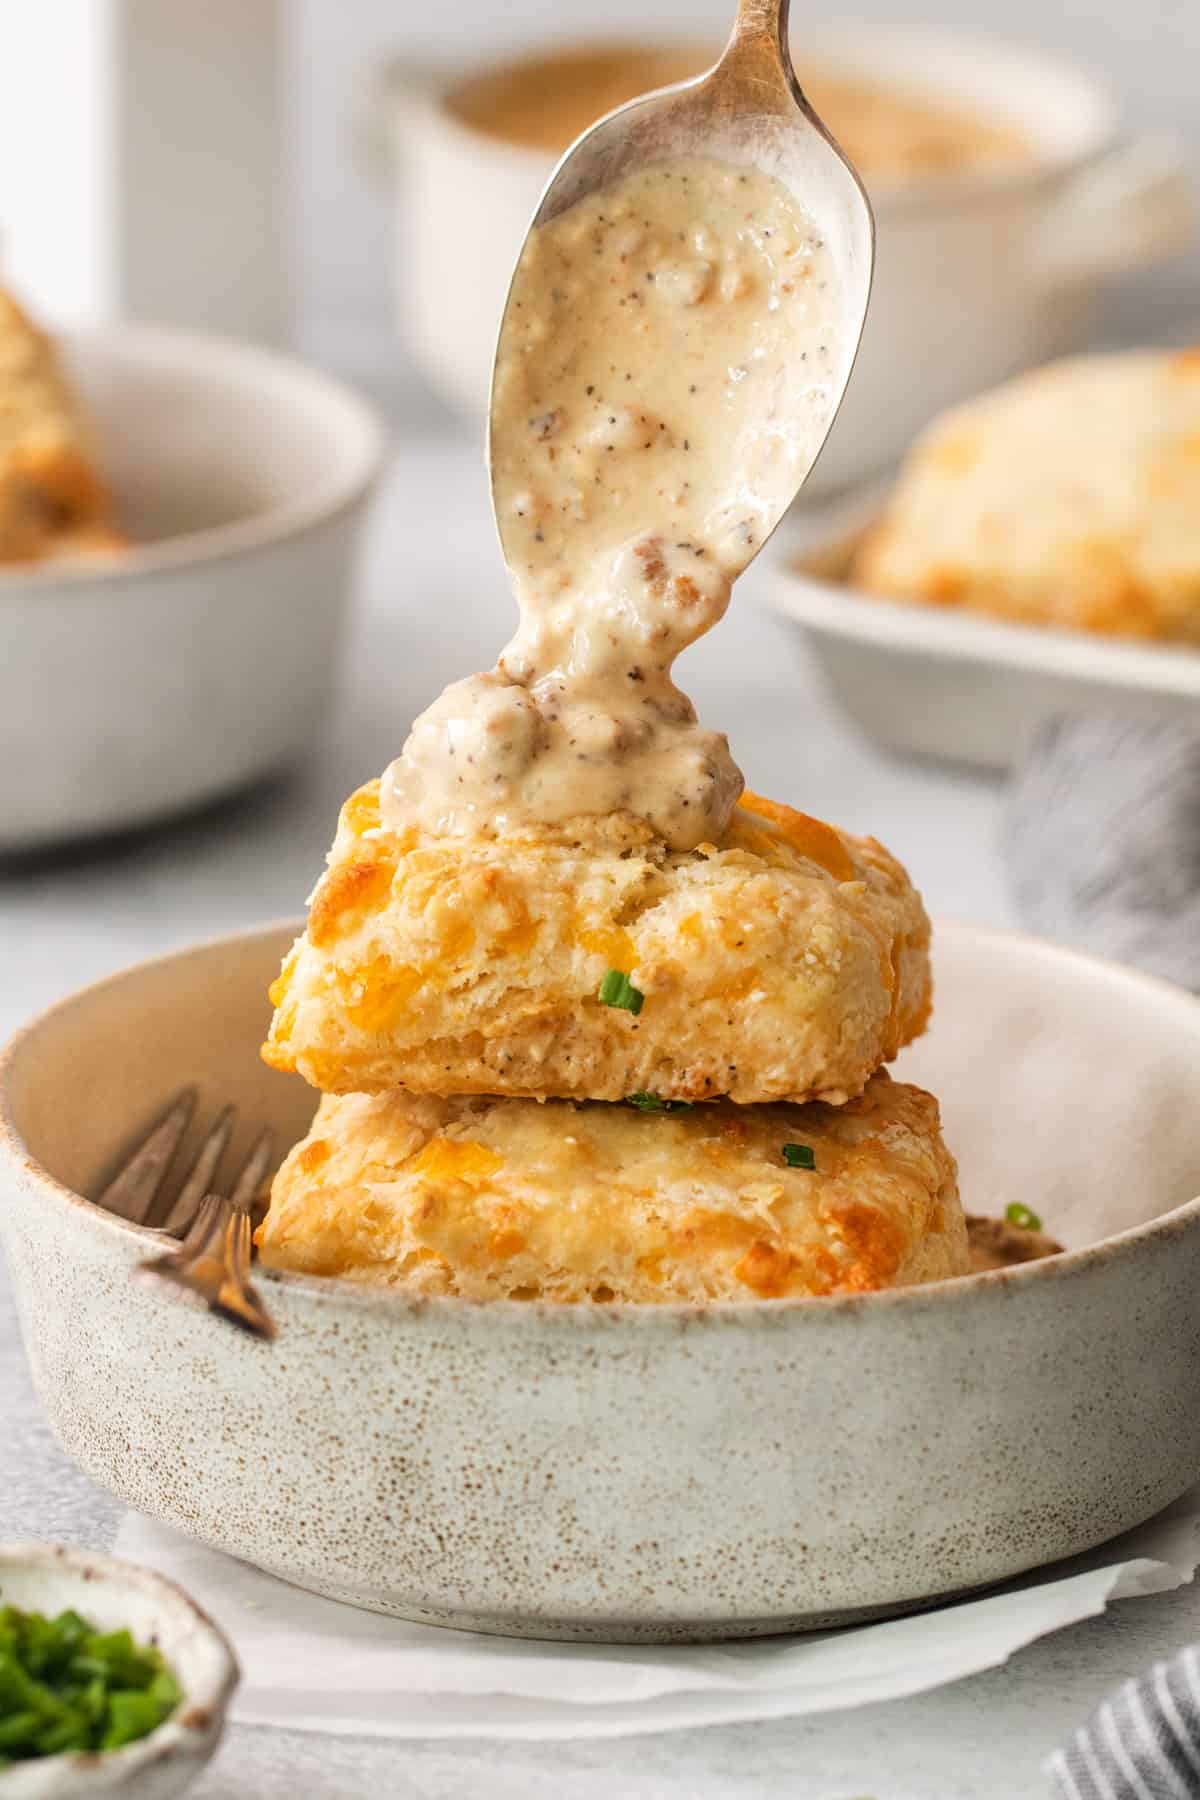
[[1148, 50], [217, 152]]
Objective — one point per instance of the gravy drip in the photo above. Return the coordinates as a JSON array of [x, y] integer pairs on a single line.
[[662, 386]]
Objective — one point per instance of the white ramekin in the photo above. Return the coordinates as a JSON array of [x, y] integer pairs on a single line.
[[976, 275]]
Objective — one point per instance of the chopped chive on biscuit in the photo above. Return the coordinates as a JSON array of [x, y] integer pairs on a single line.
[[617, 990]]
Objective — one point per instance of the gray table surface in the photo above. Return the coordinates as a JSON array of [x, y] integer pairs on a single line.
[[432, 603]]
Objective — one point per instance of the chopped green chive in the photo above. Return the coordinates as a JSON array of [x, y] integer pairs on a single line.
[[652, 1103], [66, 1687], [617, 990], [1022, 1216], [130, 1716], [799, 1156]]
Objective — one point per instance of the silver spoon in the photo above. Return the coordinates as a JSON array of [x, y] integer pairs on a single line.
[[748, 109]]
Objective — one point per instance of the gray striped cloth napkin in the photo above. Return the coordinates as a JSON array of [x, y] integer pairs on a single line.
[[1103, 844], [1143, 1743], [1103, 840]]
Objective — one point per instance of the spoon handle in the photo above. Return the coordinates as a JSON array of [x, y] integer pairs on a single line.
[[762, 19], [757, 58]]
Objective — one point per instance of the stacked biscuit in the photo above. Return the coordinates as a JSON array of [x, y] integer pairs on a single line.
[[573, 1065], [52, 500]]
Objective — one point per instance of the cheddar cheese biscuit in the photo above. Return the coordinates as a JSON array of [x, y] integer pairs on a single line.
[[786, 962], [508, 1199]]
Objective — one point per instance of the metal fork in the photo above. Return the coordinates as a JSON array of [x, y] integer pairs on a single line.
[[213, 1260]]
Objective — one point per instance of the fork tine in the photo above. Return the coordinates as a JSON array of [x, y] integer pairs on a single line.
[[237, 1299], [213, 1265], [133, 1189], [250, 1180], [205, 1229], [199, 1182]]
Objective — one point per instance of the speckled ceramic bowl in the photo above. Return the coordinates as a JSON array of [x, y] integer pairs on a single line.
[[115, 1595], [670, 1472]]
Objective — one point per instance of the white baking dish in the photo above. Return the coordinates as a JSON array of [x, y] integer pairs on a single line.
[[976, 275], [938, 682]]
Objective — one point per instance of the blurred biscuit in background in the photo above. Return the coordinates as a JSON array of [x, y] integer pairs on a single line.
[[1069, 497], [53, 501]]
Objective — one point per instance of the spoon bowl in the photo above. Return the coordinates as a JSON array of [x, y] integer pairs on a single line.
[[747, 110]]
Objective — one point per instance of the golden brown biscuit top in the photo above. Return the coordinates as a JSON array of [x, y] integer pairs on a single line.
[[367, 857], [766, 830]]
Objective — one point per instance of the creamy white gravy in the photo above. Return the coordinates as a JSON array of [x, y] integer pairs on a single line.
[[662, 386]]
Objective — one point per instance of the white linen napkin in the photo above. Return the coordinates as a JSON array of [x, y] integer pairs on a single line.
[[313, 1664]]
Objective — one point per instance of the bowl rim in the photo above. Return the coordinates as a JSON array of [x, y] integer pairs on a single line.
[[208, 1700], [996, 1284], [226, 361], [818, 600], [870, 51]]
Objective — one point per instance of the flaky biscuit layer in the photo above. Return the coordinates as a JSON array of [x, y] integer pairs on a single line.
[[512, 1199], [788, 962]]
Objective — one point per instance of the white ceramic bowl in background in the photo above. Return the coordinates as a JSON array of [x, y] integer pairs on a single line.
[[663, 1472], [938, 681], [113, 1595], [976, 275], [134, 686]]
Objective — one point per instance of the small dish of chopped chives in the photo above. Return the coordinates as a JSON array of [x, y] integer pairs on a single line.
[[66, 1686], [111, 1679]]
